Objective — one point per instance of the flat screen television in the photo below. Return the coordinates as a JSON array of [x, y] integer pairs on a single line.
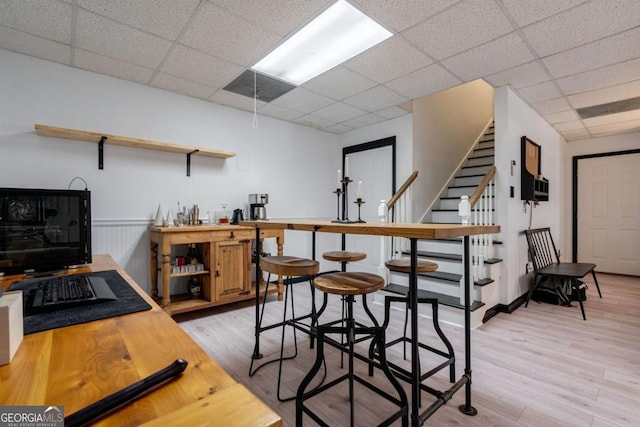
[[44, 230]]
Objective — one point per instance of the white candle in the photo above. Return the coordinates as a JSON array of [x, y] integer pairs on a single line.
[[339, 178], [359, 189], [346, 166]]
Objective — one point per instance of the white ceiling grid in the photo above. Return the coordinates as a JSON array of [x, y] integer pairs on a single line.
[[559, 55]]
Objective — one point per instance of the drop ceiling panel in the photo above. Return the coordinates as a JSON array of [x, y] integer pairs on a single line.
[[425, 81], [519, 76], [573, 125], [33, 45], [606, 95], [278, 112], [631, 126], [583, 24], [610, 50], [611, 119], [562, 117], [48, 19], [339, 112], [281, 17], [109, 38], [497, 55], [112, 67], [398, 15], [392, 58], [200, 67], [164, 18], [540, 92], [339, 83], [224, 35], [552, 106], [234, 100], [602, 77], [527, 12], [183, 86], [375, 99], [362, 121], [461, 27], [303, 100]]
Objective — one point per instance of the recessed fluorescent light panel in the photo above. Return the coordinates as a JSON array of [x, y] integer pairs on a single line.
[[338, 34]]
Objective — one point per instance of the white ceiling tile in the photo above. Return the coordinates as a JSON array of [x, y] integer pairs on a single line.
[[339, 83], [573, 125], [392, 58], [278, 112], [497, 55], [520, 76], [199, 67], [314, 121], [338, 112], [338, 128], [552, 106], [108, 38], [602, 77], [425, 81], [281, 16], [111, 67], [304, 100], [48, 19], [183, 86], [583, 24], [398, 15], [461, 27], [527, 12], [606, 95], [611, 50], [392, 112], [575, 134], [631, 126], [234, 100], [224, 35], [562, 117], [164, 18], [366, 120], [540, 92], [375, 99], [34, 46], [609, 119]]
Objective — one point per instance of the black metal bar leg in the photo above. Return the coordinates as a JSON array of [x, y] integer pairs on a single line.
[[415, 349], [256, 348], [467, 409]]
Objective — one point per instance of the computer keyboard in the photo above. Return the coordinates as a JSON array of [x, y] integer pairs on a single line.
[[63, 291]]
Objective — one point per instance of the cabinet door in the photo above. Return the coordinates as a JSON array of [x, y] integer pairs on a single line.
[[232, 275]]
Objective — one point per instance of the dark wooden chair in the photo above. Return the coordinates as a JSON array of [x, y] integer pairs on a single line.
[[549, 270]]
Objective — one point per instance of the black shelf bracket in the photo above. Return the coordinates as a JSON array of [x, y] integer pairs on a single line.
[[189, 161], [101, 152]]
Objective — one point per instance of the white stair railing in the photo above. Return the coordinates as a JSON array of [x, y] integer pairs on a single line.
[[482, 208]]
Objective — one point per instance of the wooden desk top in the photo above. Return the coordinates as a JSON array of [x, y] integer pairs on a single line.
[[78, 365], [416, 230]]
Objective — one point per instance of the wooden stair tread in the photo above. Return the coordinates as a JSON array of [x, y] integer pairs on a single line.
[[443, 299]]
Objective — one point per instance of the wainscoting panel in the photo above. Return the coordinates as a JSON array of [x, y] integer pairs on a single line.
[[127, 241]]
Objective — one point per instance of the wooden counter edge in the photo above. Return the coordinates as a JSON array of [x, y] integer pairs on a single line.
[[233, 406]]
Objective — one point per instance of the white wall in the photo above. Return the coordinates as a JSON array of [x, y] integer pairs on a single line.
[[294, 164], [445, 126], [514, 119]]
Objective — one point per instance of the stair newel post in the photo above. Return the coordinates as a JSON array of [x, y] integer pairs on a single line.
[[492, 202], [475, 245], [482, 237]]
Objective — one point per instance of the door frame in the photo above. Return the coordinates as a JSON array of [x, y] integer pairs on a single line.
[[372, 145], [574, 209]]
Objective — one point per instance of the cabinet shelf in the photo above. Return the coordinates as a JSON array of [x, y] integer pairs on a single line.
[[191, 273], [124, 141]]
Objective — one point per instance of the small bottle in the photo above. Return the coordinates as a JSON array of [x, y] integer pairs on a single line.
[[464, 209]]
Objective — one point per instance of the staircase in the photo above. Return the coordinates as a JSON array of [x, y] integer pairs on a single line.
[[446, 283]]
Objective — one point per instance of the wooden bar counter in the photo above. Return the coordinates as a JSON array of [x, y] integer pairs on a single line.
[[77, 365]]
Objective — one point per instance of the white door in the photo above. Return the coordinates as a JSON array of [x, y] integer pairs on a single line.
[[609, 213], [374, 168]]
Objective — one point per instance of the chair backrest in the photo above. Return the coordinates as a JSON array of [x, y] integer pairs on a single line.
[[542, 250]]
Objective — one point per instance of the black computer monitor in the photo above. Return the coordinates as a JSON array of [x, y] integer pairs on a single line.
[[44, 230]]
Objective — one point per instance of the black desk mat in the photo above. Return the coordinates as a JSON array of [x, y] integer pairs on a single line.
[[128, 302]]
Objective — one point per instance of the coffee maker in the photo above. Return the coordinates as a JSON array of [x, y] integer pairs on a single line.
[[257, 209]]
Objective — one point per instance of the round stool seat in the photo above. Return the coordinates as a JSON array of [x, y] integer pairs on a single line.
[[348, 283], [403, 265], [289, 266], [344, 256]]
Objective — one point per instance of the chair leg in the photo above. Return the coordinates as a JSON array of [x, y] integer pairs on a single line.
[[593, 273], [295, 340]]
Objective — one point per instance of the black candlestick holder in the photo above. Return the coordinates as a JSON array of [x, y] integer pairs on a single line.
[[359, 202], [338, 192]]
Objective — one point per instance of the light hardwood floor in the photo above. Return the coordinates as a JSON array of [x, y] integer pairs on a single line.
[[539, 366]]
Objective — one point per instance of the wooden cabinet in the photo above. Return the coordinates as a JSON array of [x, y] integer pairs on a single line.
[[224, 275]]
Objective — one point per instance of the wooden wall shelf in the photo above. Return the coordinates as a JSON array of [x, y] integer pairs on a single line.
[[101, 138]]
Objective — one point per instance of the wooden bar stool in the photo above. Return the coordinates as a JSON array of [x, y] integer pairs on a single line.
[[403, 265], [350, 284], [289, 268]]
